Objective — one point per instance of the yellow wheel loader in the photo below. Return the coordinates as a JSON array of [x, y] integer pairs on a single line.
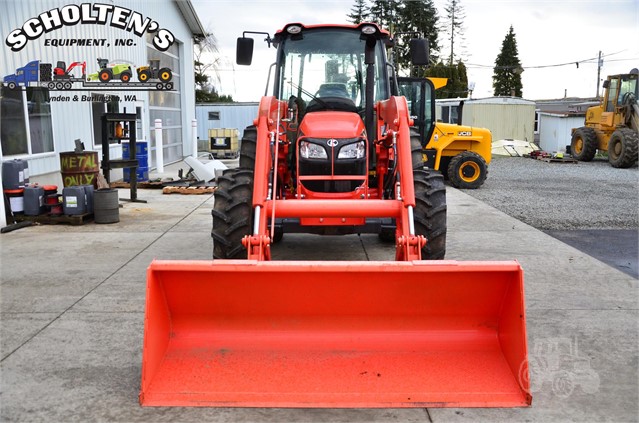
[[331, 152], [613, 125], [460, 153]]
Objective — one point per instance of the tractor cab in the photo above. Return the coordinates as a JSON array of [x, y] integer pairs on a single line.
[[321, 75], [331, 77], [620, 90]]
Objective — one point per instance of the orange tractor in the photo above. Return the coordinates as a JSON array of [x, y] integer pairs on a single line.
[[331, 152]]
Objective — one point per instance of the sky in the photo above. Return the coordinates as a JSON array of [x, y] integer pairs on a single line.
[[548, 33]]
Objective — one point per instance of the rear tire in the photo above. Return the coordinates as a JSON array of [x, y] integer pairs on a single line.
[[583, 145], [165, 75], [467, 170], [623, 148], [232, 214], [105, 75]]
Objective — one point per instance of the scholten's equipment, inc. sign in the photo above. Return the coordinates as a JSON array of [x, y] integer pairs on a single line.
[[88, 13]]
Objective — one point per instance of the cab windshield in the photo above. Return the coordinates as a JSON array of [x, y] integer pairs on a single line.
[[328, 63]]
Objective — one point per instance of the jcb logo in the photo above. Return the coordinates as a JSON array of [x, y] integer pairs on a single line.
[[464, 133]]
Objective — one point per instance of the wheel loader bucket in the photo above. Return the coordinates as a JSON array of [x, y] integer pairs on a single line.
[[334, 334]]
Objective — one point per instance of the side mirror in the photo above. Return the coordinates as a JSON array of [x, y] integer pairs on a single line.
[[244, 51], [419, 51], [606, 83]]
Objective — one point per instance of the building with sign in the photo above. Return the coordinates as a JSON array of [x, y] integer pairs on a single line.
[[64, 64]]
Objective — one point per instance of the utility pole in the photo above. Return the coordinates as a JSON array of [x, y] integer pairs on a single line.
[[599, 65]]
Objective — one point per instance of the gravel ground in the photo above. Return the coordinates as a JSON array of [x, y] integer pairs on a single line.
[[563, 196]]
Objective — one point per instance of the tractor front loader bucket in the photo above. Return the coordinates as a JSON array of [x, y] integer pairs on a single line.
[[335, 334]]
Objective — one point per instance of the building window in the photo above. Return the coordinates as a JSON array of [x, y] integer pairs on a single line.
[[167, 105], [25, 121], [102, 103], [214, 115]]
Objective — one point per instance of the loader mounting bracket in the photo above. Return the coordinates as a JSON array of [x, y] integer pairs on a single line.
[[258, 247], [409, 247]]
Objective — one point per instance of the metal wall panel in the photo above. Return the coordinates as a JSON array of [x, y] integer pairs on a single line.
[[506, 118], [555, 130], [72, 120], [232, 116]]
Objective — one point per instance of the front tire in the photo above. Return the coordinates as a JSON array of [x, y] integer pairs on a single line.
[[623, 148], [144, 75], [232, 214], [125, 76], [467, 170], [583, 144]]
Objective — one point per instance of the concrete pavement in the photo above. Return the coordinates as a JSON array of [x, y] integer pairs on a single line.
[[72, 308]]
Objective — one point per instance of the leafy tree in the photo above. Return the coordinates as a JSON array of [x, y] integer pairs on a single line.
[[205, 91], [457, 85], [507, 70], [359, 12], [453, 27]]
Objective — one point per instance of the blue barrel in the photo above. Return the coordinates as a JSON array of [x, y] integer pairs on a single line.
[[142, 155]]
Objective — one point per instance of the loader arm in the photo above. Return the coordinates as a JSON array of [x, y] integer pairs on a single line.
[[393, 115]]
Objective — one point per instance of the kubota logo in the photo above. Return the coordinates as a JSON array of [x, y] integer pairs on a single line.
[[557, 362], [87, 13], [332, 142]]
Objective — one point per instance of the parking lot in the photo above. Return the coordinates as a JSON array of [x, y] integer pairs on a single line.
[[72, 310]]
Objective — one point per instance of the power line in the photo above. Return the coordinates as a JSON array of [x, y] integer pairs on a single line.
[[574, 62]]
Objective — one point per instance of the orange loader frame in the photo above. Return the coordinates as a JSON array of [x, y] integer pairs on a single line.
[[393, 115], [403, 333]]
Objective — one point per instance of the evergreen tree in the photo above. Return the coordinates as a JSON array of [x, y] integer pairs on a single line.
[[507, 70], [457, 85], [454, 29], [416, 17], [385, 13], [359, 12]]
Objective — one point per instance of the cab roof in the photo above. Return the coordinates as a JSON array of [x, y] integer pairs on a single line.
[[286, 30]]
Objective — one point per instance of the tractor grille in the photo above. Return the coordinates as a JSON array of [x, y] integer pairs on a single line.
[[321, 157]]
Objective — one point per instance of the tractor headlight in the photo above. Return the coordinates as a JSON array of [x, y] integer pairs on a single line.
[[353, 151], [312, 151]]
